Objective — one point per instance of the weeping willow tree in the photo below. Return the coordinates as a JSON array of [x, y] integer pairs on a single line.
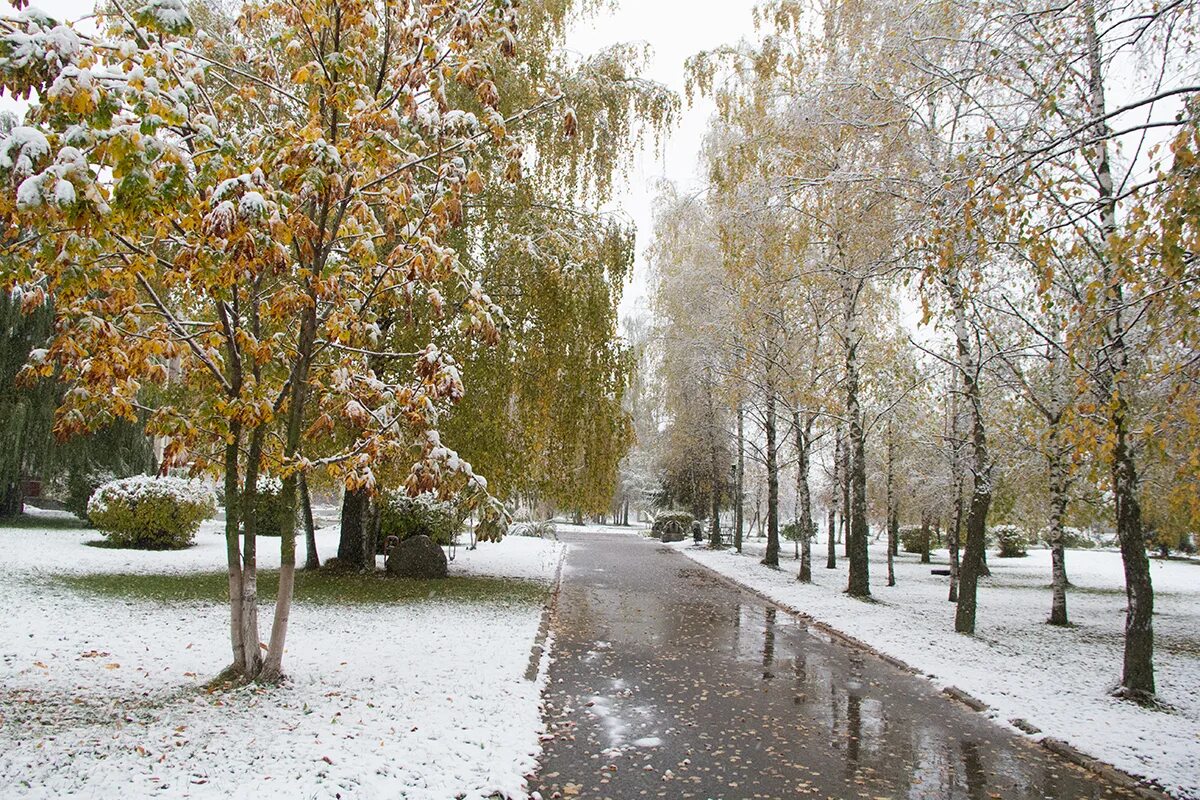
[[26, 412], [544, 416]]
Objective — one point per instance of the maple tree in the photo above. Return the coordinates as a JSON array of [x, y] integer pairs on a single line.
[[226, 218]]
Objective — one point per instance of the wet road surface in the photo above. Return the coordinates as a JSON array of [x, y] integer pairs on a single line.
[[669, 682]]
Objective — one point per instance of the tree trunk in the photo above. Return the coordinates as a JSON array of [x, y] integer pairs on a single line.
[[354, 523], [804, 495], [715, 479], [981, 483], [250, 640], [844, 487], [1137, 679], [771, 557], [831, 555], [739, 512], [893, 523], [311, 560], [1058, 512], [858, 584], [233, 552], [926, 536]]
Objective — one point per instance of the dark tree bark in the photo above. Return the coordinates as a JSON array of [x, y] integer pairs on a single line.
[[354, 520], [771, 557], [312, 560], [926, 537], [858, 584]]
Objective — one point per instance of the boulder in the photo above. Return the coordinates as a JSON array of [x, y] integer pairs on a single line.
[[674, 533], [417, 557]]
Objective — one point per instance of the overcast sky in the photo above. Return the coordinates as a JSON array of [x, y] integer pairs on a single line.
[[675, 29]]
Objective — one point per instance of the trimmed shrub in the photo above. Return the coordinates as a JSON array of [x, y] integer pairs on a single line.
[[268, 507], [537, 530], [679, 522], [913, 539], [1010, 540], [424, 515], [149, 513]]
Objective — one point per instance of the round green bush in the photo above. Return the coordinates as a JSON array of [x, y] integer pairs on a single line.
[[1011, 541], [149, 513], [81, 485], [404, 517]]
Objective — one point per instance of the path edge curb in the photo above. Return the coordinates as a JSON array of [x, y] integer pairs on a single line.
[[549, 610], [1058, 747]]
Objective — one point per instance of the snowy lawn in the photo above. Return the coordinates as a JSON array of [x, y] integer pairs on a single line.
[[403, 693], [1058, 679]]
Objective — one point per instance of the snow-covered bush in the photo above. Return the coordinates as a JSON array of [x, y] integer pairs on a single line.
[[404, 517], [268, 507], [1073, 538], [673, 521], [1011, 541], [539, 530], [151, 513], [913, 539]]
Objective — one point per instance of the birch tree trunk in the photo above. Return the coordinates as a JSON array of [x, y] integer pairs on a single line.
[[893, 524], [1058, 512], [771, 557], [858, 584], [233, 553], [1137, 680], [739, 508], [804, 496], [981, 490]]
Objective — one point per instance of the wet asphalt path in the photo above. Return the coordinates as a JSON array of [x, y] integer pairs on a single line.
[[668, 682]]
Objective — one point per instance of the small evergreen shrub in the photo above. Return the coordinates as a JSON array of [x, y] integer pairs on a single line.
[[793, 531], [913, 539], [149, 513], [424, 515], [268, 507], [81, 485], [1010, 540], [673, 520]]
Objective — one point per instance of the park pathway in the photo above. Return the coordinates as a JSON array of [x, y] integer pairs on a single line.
[[669, 682]]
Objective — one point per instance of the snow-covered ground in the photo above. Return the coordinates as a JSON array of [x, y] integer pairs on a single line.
[[101, 697], [1058, 679]]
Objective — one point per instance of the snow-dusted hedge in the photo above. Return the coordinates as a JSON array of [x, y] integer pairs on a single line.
[[539, 530], [678, 521], [151, 513], [1010, 540], [404, 517]]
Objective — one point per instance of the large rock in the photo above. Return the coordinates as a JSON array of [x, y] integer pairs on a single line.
[[417, 557]]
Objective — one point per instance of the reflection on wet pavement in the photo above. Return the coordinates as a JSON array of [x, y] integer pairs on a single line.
[[667, 682]]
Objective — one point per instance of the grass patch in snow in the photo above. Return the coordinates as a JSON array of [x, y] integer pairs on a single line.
[[37, 522], [321, 588]]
